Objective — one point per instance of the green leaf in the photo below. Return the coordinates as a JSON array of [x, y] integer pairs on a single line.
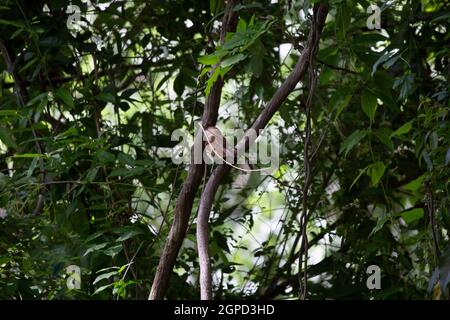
[[10, 112], [443, 16], [109, 268], [103, 288], [415, 184], [412, 215], [4, 260], [340, 101], [213, 6], [255, 65], [211, 80], [178, 84], [122, 268], [126, 94], [95, 248], [40, 107], [383, 135], [163, 80], [127, 172], [38, 98], [369, 104], [241, 26], [106, 97], [343, 19], [403, 129], [72, 131], [382, 59], [119, 172], [428, 161], [352, 141], [406, 85], [17, 24], [376, 171], [380, 223], [251, 5], [233, 60], [113, 251], [361, 172], [105, 276], [7, 138], [66, 97], [126, 159], [255, 34], [95, 236], [30, 155], [211, 59], [434, 140], [204, 71], [92, 173], [128, 233], [105, 156]]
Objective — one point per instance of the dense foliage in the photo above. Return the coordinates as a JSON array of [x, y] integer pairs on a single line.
[[88, 106]]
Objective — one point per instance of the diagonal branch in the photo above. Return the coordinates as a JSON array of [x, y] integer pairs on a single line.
[[186, 198], [207, 197]]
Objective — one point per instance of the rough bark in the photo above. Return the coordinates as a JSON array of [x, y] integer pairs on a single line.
[[186, 198]]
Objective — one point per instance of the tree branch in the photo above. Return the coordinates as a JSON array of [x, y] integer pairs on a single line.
[[186, 198], [207, 197]]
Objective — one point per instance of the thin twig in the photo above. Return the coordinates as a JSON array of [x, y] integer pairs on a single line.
[[430, 208], [336, 67], [307, 180]]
